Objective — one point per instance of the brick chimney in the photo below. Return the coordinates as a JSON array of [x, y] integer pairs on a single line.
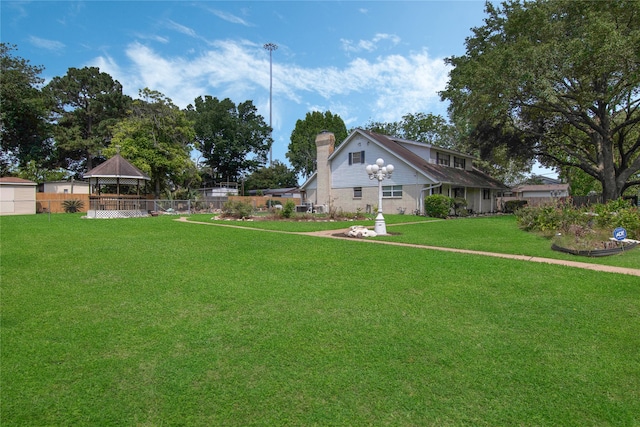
[[325, 144]]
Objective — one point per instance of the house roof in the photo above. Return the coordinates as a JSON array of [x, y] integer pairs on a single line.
[[117, 167], [437, 173], [541, 187], [15, 181]]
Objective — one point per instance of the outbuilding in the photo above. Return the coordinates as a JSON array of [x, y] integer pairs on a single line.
[[17, 196]]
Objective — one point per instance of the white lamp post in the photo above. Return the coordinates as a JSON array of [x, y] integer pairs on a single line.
[[379, 171]]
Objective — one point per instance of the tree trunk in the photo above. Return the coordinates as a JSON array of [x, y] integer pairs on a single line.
[[608, 175]]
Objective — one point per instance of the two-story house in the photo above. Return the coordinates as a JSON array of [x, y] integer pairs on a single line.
[[420, 170]]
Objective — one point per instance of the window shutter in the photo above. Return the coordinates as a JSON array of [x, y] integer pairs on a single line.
[[350, 158], [362, 157]]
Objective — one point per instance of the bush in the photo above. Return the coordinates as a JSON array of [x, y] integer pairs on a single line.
[[459, 206], [564, 218], [72, 206], [237, 209], [438, 205], [513, 205], [289, 209]]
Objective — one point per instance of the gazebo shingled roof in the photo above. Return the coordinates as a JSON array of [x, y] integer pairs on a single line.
[[116, 167]]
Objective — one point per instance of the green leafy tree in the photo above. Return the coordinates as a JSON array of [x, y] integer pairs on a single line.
[[87, 103], [278, 175], [302, 148], [24, 130], [234, 140], [34, 171], [557, 81], [157, 139], [428, 128], [580, 183]]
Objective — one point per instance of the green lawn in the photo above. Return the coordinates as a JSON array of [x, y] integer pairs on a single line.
[[155, 322]]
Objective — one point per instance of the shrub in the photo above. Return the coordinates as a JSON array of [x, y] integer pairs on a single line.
[[513, 205], [459, 206], [563, 217], [237, 209], [438, 205], [72, 206], [289, 209]]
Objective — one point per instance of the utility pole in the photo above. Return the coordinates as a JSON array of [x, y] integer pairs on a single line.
[[270, 47]]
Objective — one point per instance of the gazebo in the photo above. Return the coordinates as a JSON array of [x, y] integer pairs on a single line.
[[115, 190]]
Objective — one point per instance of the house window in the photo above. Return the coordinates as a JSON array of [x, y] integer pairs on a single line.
[[392, 191], [458, 192], [437, 190], [458, 162], [486, 194], [443, 159], [356, 157], [357, 192]]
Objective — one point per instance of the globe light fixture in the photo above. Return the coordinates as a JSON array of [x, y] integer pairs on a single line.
[[379, 171]]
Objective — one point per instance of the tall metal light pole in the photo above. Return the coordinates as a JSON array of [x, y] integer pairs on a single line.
[[270, 47]]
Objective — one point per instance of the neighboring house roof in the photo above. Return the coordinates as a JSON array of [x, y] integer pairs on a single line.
[[281, 190], [16, 181], [540, 188], [435, 172], [117, 167], [543, 180]]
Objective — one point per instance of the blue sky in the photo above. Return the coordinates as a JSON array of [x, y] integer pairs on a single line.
[[373, 60]]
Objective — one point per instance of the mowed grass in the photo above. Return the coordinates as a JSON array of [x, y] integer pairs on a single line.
[[155, 322], [488, 234]]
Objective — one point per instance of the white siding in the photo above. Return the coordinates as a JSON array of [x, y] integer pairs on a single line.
[[60, 187], [7, 204], [17, 200]]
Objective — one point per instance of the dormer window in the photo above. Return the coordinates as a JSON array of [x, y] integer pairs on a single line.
[[459, 162], [443, 159]]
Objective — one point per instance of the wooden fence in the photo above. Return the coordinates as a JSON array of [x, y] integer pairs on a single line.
[[53, 202]]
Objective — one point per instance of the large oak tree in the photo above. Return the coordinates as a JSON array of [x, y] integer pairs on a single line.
[[87, 103], [558, 81], [234, 140], [302, 148], [24, 130], [157, 138]]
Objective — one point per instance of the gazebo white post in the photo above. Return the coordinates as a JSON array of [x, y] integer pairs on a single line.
[[379, 171]]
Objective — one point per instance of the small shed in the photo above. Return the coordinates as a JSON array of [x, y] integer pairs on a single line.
[[66, 187], [17, 196], [116, 190]]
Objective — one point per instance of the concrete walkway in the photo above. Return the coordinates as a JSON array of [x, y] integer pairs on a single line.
[[335, 234]]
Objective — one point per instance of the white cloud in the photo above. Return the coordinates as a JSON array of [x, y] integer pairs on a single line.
[[383, 89], [52, 45], [229, 17], [369, 45], [182, 29]]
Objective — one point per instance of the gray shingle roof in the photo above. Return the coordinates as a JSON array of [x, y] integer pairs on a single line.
[[118, 167], [440, 173]]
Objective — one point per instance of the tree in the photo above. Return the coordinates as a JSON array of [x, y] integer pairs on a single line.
[[24, 131], [428, 128], [35, 172], [302, 148], [87, 103], [557, 81], [278, 175], [234, 140], [157, 139]]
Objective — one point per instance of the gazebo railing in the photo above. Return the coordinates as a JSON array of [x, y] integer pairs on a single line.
[[120, 203]]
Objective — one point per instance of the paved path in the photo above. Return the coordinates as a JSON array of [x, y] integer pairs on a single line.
[[335, 234]]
